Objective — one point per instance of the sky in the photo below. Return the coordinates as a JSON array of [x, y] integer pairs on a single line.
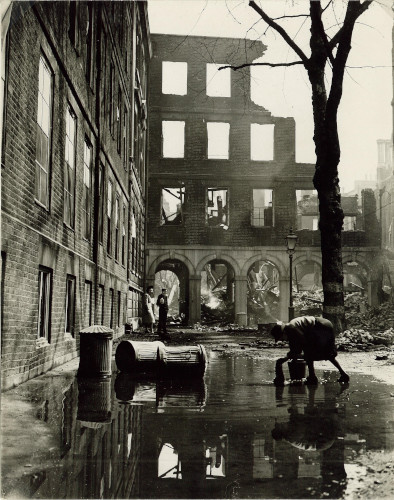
[[365, 113]]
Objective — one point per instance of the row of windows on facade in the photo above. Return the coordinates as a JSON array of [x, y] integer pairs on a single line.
[[116, 209], [82, 27], [115, 303], [218, 134], [174, 79], [262, 211]]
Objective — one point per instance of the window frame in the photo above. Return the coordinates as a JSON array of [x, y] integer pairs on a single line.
[[264, 208], [44, 292], [43, 62], [110, 187], [87, 192], [69, 324], [227, 205], [69, 171], [182, 205]]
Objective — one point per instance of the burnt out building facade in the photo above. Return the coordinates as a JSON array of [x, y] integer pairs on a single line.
[[73, 176], [225, 187]]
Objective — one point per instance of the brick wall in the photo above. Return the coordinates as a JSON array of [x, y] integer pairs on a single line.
[[34, 235]]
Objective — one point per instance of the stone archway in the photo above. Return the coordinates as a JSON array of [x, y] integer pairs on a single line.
[[173, 274], [263, 292], [217, 292]]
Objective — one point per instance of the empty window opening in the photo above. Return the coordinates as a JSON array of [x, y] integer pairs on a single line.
[[174, 78], [307, 209], [70, 305], [217, 207], [262, 142], [349, 223], [218, 140], [262, 213], [172, 206], [173, 139], [218, 81]]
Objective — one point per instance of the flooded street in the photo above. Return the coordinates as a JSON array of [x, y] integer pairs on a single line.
[[230, 435]]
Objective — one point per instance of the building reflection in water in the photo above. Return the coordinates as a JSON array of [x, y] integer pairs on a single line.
[[227, 436]]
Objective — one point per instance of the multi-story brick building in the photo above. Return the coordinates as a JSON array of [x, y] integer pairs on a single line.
[[73, 176], [224, 182]]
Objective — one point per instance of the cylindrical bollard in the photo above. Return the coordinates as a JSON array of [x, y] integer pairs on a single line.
[[297, 369], [95, 351], [137, 357], [184, 360], [94, 400]]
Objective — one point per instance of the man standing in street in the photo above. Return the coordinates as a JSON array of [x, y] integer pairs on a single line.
[[162, 303]]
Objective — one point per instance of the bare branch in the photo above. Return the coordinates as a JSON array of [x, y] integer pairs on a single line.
[[281, 31], [231, 14], [288, 17], [326, 7], [271, 65]]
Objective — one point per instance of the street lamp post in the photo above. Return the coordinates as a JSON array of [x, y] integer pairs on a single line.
[[291, 242]]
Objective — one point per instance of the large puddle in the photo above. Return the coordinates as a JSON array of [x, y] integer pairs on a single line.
[[231, 435]]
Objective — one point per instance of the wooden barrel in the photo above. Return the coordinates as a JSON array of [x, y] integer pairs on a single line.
[[136, 357], [189, 361]]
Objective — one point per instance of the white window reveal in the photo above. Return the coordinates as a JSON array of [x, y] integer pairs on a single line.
[[218, 140], [307, 209], [218, 81], [262, 142], [172, 205], [349, 223], [173, 139], [217, 207], [262, 213], [174, 78]]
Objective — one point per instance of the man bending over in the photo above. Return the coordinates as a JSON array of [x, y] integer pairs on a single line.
[[312, 337]]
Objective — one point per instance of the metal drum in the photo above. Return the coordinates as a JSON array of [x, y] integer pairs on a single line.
[[95, 352], [297, 369], [188, 361], [94, 400], [137, 357]]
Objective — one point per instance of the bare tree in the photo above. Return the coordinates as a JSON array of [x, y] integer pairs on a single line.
[[334, 52]]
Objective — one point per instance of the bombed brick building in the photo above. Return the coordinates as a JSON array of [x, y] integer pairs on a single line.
[[73, 176], [225, 188]]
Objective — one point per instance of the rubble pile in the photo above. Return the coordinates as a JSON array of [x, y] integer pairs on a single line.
[[308, 302], [360, 338]]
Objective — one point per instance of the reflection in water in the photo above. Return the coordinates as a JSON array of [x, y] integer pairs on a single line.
[[228, 436]]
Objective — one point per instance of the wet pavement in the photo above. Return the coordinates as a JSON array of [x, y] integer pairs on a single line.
[[229, 435]]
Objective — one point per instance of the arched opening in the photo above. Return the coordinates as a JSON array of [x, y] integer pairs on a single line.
[[307, 276], [263, 293], [307, 289], [174, 275], [217, 292], [354, 278]]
